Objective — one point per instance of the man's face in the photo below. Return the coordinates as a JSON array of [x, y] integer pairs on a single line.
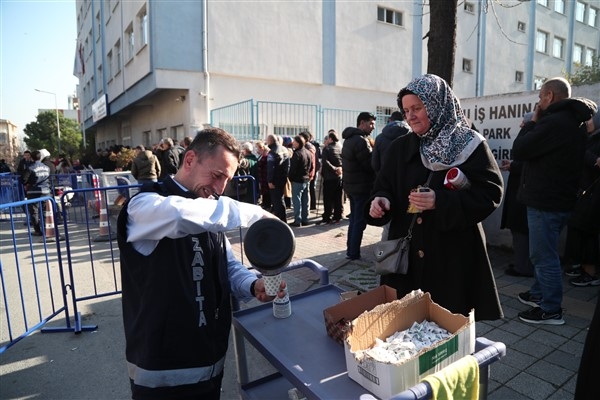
[[210, 174], [27, 156], [367, 125], [546, 97]]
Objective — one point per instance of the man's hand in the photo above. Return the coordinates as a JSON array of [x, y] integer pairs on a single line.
[[261, 294]]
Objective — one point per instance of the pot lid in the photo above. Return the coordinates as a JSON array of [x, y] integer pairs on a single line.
[[269, 244]]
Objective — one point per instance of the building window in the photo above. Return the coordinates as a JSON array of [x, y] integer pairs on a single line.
[[577, 54], [580, 11], [467, 65], [99, 25], [541, 42], [557, 47], [590, 54], [559, 6], [543, 3], [519, 76], [130, 42], [593, 17], [538, 82], [118, 57], [521, 26], [143, 27], [389, 16], [109, 64], [469, 7]]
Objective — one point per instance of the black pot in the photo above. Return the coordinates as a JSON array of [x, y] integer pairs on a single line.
[[269, 245]]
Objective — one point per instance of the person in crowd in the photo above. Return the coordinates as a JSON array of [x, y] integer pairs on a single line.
[[24, 162], [448, 256], [64, 165], [178, 271], [301, 165], [286, 142], [331, 173], [582, 244], [395, 128], [514, 216], [357, 177], [265, 196], [252, 170], [315, 150], [278, 167], [184, 145], [169, 158], [587, 387], [145, 166], [37, 179], [551, 147], [4, 167]]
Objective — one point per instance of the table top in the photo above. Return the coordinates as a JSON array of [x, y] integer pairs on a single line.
[[298, 346]]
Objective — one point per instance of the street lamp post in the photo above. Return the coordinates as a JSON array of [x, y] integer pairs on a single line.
[[57, 121]]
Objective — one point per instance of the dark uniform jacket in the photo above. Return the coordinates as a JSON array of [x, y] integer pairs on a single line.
[[176, 304], [448, 254], [301, 166]]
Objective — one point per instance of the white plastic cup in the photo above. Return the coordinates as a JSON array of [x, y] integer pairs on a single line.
[[272, 283], [282, 307]]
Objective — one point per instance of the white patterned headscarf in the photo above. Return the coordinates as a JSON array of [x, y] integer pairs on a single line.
[[450, 140]]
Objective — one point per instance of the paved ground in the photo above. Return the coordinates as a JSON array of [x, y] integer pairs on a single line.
[[541, 361]]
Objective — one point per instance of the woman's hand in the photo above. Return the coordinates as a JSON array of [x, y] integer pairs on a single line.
[[379, 206], [422, 200]]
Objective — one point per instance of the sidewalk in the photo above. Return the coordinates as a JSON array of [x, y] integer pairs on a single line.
[[541, 361]]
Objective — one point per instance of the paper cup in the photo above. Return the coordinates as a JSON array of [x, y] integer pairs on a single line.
[[272, 283]]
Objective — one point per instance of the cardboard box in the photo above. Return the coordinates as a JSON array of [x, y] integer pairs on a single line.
[[384, 380], [339, 317]]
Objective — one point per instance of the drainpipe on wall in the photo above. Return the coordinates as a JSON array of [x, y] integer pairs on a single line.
[[206, 93]]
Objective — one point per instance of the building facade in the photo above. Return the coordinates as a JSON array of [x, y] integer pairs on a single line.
[[9, 143], [153, 69]]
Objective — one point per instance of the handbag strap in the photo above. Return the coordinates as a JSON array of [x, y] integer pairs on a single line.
[[414, 218], [592, 185]]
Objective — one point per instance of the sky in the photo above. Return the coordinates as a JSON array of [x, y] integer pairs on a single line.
[[37, 50]]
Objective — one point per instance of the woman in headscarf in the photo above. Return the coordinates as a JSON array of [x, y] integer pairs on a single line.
[[448, 254]]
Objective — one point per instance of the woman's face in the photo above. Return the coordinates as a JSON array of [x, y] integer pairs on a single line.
[[415, 114]]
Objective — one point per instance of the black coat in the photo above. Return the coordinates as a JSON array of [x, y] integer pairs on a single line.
[[358, 175], [552, 150], [448, 254], [514, 213]]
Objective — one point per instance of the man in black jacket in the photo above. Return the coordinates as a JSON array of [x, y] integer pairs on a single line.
[[393, 130], [301, 166], [358, 177], [331, 172], [552, 147]]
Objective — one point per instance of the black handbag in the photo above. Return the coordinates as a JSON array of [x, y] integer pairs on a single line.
[[586, 214]]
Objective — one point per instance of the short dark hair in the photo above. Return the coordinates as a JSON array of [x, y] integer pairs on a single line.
[[306, 135], [36, 155], [333, 136], [300, 140], [365, 116], [208, 140], [396, 116]]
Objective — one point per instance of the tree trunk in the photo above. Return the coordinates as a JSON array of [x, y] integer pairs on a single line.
[[441, 46]]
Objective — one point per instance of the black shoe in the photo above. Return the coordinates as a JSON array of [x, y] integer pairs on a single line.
[[526, 298], [573, 271], [586, 279], [352, 257], [295, 224], [307, 223], [536, 315], [511, 271], [36, 234], [323, 222]]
